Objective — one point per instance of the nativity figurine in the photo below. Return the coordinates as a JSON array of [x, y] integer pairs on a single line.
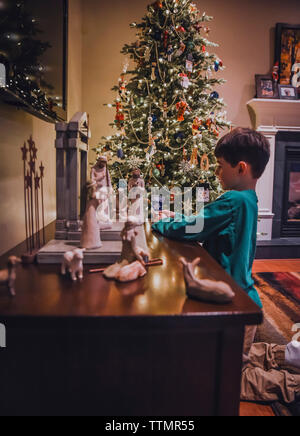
[[73, 264], [136, 189], [209, 291], [134, 256], [100, 175], [90, 236], [8, 276]]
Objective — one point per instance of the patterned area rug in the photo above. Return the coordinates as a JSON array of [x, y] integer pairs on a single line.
[[280, 294]]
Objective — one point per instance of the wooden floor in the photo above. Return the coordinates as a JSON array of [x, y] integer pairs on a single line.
[[281, 265], [260, 266], [251, 409]]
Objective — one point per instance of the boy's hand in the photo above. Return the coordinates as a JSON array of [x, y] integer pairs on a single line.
[[167, 214]]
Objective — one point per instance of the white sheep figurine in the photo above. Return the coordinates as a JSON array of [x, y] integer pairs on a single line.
[[73, 263], [8, 276]]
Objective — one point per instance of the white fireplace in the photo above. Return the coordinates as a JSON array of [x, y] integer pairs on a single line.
[[270, 117]]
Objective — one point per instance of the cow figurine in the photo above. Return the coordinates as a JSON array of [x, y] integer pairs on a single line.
[[73, 263], [8, 276]]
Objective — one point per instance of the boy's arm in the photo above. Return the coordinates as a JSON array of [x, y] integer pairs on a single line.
[[211, 220]]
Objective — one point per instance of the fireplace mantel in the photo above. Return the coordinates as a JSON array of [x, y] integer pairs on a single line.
[[269, 117], [279, 115]]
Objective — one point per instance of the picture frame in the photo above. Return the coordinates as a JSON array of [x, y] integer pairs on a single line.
[[266, 87], [288, 92], [288, 54]]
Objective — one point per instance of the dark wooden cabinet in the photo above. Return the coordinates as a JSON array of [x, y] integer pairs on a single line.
[[141, 349]]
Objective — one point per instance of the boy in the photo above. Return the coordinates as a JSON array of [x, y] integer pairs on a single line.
[[230, 223], [230, 236]]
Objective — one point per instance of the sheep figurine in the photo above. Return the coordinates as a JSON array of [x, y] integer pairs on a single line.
[[73, 263], [9, 275]]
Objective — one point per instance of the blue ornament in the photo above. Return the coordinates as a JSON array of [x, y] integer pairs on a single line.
[[190, 45], [120, 153], [154, 119], [179, 135], [217, 66], [157, 35], [214, 95]]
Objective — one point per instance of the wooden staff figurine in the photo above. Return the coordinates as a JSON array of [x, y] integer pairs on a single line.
[[9, 275], [209, 291], [24, 158], [42, 175], [37, 209], [33, 184], [33, 156]]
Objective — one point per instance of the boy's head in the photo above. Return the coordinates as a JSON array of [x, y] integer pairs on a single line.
[[242, 155]]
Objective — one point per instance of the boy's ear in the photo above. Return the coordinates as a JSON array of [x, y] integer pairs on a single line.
[[243, 167]]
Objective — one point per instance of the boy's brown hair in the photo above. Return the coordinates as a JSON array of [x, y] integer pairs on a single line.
[[245, 145]]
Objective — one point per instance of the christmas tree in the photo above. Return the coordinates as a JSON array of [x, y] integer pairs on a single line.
[[20, 52], [168, 115]]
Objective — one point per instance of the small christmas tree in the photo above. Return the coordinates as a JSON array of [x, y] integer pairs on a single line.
[[20, 52], [168, 115]]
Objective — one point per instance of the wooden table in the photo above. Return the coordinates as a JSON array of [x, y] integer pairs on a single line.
[[140, 349]]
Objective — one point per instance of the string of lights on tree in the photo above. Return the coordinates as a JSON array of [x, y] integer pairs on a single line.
[[168, 114], [20, 52]]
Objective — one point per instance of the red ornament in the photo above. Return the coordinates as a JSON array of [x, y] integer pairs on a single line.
[[180, 29], [122, 87], [157, 5], [196, 126], [182, 106], [166, 37], [120, 118], [209, 123], [204, 48]]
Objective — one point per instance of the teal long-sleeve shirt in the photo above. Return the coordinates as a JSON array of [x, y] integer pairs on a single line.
[[229, 233]]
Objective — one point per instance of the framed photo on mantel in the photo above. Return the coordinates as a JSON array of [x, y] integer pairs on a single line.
[[287, 92], [288, 54], [266, 87]]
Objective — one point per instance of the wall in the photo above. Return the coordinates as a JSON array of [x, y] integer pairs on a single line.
[[16, 127], [245, 31]]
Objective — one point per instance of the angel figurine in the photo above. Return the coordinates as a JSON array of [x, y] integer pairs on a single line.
[[100, 175], [136, 186]]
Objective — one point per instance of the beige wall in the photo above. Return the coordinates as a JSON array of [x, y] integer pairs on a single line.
[[16, 126], [244, 30]]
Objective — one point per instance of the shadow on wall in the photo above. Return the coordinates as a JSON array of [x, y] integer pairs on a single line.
[[16, 127]]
